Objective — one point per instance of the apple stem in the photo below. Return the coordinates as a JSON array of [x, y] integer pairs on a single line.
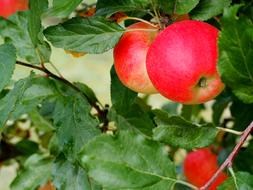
[[141, 29], [230, 158], [230, 131], [141, 20]]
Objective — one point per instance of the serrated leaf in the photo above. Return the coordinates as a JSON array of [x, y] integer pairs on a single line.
[[220, 105], [63, 8], [7, 64], [178, 6], [127, 111], [15, 31], [206, 9], [37, 8], [75, 177], [128, 161], [110, 7], [87, 91], [135, 119], [244, 181], [75, 126], [178, 132], [242, 113], [192, 112], [27, 147], [91, 35], [122, 97], [10, 101], [41, 88], [243, 161], [235, 49], [37, 171]]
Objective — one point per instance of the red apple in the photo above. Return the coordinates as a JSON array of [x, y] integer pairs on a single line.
[[200, 165], [181, 62], [130, 57], [9, 7]]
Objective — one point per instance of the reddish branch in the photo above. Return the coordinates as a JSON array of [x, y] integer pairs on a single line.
[[230, 158]]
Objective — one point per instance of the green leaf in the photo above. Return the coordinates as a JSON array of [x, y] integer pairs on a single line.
[[221, 103], [75, 126], [243, 161], [27, 147], [87, 91], [127, 110], [36, 172], [40, 89], [122, 97], [171, 107], [40, 122], [235, 49], [10, 101], [7, 64], [178, 6], [63, 8], [244, 181], [128, 161], [178, 132], [37, 8], [136, 119], [206, 9], [66, 176], [242, 113], [91, 35], [192, 112], [109, 7], [15, 31]]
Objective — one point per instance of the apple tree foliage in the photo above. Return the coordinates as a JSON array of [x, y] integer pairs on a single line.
[[83, 145]]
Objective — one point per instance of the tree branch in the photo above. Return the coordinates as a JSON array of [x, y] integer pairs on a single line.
[[230, 158], [100, 112]]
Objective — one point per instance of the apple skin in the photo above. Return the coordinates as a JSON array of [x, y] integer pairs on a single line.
[[9, 7], [130, 58], [200, 165], [181, 62]]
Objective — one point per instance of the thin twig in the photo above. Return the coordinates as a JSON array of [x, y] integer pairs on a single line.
[[141, 20], [56, 70], [230, 158]]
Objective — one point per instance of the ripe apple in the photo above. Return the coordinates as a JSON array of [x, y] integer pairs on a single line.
[[9, 7], [200, 165], [181, 62], [130, 57]]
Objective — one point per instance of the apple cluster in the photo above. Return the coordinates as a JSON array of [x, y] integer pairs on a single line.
[[178, 62]]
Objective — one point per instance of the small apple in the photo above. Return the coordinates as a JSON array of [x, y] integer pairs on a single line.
[[9, 7], [200, 165], [181, 62], [130, 57]]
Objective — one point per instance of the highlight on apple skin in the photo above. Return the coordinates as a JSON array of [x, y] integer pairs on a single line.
[[181, 62], [9, 7], [130, 57], [200, 165]]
